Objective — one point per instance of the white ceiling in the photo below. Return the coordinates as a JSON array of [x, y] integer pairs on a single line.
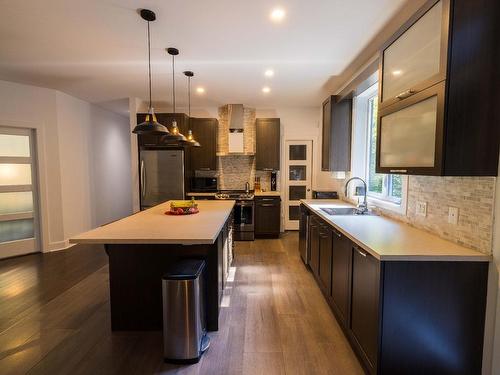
[[96, 49]]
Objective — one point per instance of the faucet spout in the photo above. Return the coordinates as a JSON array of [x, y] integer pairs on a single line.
[[364, 205]]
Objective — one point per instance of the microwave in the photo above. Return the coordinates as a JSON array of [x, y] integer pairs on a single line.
[[204, 184]]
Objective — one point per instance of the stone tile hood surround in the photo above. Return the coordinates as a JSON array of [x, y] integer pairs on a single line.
[[236, 130]]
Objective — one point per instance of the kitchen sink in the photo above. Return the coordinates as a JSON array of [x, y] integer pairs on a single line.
[[344, 211]]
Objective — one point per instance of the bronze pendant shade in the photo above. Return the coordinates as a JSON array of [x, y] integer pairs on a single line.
[[190, 138]]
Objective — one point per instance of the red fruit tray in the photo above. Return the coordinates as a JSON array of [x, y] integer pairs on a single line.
[[180, 212]]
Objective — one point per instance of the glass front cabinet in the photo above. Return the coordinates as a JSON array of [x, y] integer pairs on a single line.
[[429, 73]]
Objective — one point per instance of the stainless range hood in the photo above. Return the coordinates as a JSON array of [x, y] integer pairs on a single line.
[[236, 128]]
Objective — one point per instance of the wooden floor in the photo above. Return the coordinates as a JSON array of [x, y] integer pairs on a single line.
[[54, 319]]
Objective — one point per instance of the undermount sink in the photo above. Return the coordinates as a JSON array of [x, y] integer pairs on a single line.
[[344, 211]]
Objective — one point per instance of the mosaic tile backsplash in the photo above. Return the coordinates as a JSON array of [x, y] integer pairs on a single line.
[[473, 196]]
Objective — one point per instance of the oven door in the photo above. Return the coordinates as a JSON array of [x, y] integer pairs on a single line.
[[244, 216]]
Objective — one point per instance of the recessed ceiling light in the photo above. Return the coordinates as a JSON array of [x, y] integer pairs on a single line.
[[277, 14], [266, 90], [397, 72], [269, 73], [200, 90]]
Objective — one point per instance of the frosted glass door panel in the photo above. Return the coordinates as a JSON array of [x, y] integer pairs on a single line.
[[14, 145], [415, 56], [16, 202], [407, 137], [15, 174], [16, 230]]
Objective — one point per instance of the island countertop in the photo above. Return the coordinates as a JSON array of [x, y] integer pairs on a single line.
[[388, 239], [152, 226]]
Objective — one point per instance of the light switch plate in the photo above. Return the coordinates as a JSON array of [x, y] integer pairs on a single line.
[[453, 215], [421, 209]]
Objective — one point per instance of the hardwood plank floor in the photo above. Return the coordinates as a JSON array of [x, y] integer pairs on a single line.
[[54, 319]]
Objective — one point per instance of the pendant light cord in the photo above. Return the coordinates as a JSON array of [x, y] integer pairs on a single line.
[[189, 96], [173, 79], [149, 67]]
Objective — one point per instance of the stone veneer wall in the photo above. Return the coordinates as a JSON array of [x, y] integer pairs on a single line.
[[473, 196], [248, 131]]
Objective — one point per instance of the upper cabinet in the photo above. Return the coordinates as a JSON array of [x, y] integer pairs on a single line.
[[438, 92], [267, 144], [415, 58], [336, 135], [205, 132]]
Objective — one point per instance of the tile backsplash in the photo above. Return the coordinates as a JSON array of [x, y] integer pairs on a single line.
[[234, 170], [473, 196]]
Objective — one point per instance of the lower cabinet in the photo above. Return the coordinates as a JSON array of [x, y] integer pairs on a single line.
[[365, 303], [267, 216], [325, 258], [401, 316], [314, 245], [341, 274]]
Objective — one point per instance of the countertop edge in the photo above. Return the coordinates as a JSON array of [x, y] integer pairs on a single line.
[[457, 258]]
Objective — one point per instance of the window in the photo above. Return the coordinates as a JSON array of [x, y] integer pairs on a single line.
[[387, 191], [382, 186]]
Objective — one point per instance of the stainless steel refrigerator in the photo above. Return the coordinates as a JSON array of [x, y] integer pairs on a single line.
[[161, 176]]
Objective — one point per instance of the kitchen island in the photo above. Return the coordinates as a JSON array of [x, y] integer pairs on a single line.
[[141, 247]]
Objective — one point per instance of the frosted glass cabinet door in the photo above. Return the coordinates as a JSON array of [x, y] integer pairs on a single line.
[[408, 136], [415, 57]]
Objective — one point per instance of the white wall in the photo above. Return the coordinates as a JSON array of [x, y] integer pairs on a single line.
[[66, 130]]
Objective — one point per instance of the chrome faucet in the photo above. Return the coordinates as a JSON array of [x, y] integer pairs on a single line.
[[363, 207], [247, 187]]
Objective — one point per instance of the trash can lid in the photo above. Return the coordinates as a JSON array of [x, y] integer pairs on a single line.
[[186, 269]]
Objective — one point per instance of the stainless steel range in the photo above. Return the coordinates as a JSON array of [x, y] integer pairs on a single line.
[[243, 213]]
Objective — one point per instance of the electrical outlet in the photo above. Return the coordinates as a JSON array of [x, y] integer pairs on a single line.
[[453, 215], [421, 208]]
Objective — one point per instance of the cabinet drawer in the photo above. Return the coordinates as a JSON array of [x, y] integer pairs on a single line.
[[411, 134]]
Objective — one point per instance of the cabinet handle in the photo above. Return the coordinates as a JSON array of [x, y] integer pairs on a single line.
[[337, 233], [362, 253], [398, 171], [405, 94], [267, 169], [203, 169], [267, 205], [266, 199]]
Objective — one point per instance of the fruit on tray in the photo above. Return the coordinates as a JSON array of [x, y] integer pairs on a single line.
[[183, 207]]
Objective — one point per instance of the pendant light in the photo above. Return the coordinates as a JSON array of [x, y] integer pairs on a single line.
[[175, 134], [150, 125], [190, 137]]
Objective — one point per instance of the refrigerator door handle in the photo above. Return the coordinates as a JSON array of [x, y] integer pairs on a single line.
[[143, 179]]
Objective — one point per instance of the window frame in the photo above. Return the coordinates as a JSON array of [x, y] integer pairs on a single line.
[[362, 131]]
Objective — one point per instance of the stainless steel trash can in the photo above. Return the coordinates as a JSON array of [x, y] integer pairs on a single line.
[[184, 326]]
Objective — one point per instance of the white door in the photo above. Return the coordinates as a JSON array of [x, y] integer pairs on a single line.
[[298, 177], [18, 213]]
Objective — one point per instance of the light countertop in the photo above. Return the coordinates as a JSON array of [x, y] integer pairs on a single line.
[[152, 226], [267, 194], [388, 239]]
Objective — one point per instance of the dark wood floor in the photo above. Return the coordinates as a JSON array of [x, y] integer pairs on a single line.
[[54, 319]]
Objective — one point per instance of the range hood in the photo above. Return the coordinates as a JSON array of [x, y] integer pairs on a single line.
[[236, 127]]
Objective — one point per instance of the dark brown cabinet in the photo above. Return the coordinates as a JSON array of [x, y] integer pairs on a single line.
[[314, 245], [325, 258], [267, 216], [438, 92], [365, 303], [341, 274], [267, 144], [204, 158], [336, 134]]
